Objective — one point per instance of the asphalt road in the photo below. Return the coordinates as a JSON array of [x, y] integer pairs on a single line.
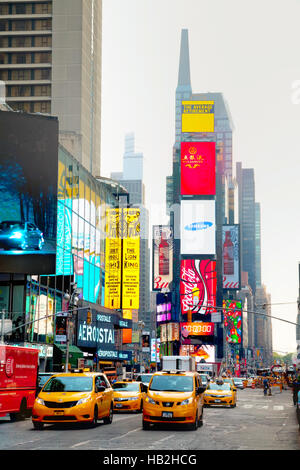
[[257, 423]]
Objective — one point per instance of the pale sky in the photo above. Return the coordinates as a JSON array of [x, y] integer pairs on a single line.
[[250, 52]]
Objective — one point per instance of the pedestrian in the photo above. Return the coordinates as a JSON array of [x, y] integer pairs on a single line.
[[296, 388]]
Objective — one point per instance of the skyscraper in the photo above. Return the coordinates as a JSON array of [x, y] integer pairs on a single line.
[[50, 60], [132, 179]]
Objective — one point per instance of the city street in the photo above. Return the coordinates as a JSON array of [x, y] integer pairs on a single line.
[[257, 423]]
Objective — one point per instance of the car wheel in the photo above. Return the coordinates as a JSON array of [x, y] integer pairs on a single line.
[[146, 425], [194, 425], [109, 418], [141, 407], [200, 422], [95, 418], [40, 245], [38, 426], [24, 246]]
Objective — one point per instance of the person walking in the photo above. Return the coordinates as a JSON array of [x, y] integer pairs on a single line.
[[296, 388]]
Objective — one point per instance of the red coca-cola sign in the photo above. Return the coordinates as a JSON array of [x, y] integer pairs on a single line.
[[9, 366], [198, 285]]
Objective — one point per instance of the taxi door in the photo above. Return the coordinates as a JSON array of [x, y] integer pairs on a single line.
[[100, 396], [107, 396], [199, 398]]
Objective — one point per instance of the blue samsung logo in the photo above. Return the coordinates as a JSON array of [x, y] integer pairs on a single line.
[[198, 226]]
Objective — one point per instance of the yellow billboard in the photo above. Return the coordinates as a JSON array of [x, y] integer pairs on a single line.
[[113, 260], [131, 259], [197, 116]]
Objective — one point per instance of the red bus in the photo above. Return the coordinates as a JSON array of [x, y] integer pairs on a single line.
[[18, 380]]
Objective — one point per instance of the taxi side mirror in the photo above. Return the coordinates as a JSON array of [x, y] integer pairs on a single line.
[[100, 388], [144, 388], [200, 390], [234, 389]]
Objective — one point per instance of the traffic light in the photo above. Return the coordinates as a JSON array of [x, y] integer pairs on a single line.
[[89, 317]]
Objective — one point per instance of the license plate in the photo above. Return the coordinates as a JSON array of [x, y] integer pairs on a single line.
[[118, 405], [58, 412], [166, 414], [218, 401]]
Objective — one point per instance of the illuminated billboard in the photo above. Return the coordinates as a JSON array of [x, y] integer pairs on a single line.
[[205, 352], [28, 193], [196, 328], [231, 257], [113, 260], [131, 259], [232, 310], [197, 116], [162, 257], [198, 227], [198, 286], [198, 168]]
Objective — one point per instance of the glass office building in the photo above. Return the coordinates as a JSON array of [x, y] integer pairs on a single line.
[[80, 258]]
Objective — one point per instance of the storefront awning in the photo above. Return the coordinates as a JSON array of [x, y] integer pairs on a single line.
[[74, 353]]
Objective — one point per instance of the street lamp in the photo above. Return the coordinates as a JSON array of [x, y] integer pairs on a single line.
[[73, 300]]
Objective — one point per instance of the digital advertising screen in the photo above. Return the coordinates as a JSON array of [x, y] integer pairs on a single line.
[[162, 257], [205, 352], [232, 310], [198, 286], [28, 193], [198, 227], [231, 257], [198, 116], [198, 168]]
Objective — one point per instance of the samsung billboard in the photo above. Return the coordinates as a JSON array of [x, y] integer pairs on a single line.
[[198, 227], [28, 192]]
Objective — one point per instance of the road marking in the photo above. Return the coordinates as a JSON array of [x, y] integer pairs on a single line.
[[154, 444], [80, 444], [278, 407], [124, 435]]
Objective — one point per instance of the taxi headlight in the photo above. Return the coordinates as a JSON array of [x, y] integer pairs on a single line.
[[186, 402], [132, 398], [149, 400], [40, 401], [83, 400]]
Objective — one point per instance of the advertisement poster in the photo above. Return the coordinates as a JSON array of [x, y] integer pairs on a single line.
[[162, 256], [196, 329], [28, 193], [198, 228], [198, 286], [198, 168], [198, 116], [113, 260], [205, 352], [232, 310], [131, 259], [231, 257]]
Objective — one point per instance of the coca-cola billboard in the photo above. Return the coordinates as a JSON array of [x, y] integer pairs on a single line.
[[198, 285], [162, 257], [198, 168], [231, 257]]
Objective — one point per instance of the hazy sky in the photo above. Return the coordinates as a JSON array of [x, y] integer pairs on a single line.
[[250, 52]]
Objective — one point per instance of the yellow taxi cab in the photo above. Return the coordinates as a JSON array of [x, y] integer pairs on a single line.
[[174, 397], [128, 396], [219, 393], [74, 397], [230, 381]]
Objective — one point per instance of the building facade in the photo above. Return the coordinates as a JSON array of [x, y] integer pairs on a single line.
[[50, 61]]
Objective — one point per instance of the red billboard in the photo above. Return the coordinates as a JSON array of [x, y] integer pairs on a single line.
[[198, 168], [198, 285], [196, 328]]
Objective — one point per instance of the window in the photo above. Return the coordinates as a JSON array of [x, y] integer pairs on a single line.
[[21, 58], [21, 9]]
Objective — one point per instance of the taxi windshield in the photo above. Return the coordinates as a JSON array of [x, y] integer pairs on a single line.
[[126, 387], [69, 384], [214, 386], [146, 378], [171, 383]]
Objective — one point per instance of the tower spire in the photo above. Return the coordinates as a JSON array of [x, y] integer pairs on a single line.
[[184, 79]]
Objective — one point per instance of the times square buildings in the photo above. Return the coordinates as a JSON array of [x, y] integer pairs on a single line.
[[242, 339]]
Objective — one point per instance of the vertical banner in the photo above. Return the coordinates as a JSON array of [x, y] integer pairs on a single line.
[[198, 286], [162, 257], [232, 310], [131, 259], [231, 257], [198, 168], [113, 259]]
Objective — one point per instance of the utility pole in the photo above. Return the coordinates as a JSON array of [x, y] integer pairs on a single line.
[[73, 301]]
